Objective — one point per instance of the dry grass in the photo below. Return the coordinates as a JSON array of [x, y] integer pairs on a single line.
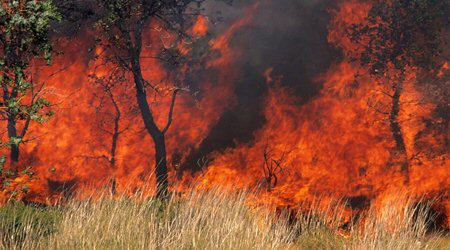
[[398, 223], [211, 220]]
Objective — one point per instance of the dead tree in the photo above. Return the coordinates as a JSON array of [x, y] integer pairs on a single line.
[[272, 167], [107, 83], [122, 24]]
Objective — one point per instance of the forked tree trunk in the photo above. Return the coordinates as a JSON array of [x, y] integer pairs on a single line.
[[161, 171], [396, 130], [134, 47]]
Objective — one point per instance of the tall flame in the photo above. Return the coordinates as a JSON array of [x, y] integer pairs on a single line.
[[335, 145]]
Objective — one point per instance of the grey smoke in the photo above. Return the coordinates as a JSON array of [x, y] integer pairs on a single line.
[[288, 35]]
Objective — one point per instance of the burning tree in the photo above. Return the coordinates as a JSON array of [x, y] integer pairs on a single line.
[[24, 38], [107, 83], [272, 167], [123, 23], [395, 37]]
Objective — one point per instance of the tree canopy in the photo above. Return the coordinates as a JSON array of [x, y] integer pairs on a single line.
[[401, 33]]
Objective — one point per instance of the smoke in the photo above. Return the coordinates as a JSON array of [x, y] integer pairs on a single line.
[[288, 35]]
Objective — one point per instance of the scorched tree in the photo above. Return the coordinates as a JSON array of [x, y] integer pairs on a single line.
[[396, 36], [123, 23]]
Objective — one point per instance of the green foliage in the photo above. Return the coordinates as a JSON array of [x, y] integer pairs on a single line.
[[27, 171], [7, 176], [2, 162], [25, 27], [14, 141], [122, 21], [24, 36], [38, 105], [401, 33]]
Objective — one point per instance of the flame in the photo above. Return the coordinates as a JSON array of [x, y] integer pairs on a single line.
[[200, 27], [71, 152], [336, 145]]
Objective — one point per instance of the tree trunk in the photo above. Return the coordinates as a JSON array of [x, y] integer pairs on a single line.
[[397, 134], [14, 151], [12, 124], [11, 127], [161, 171], [115, 138]]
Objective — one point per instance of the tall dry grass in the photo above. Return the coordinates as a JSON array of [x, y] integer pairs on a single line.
[[397, 223], [214, 220]]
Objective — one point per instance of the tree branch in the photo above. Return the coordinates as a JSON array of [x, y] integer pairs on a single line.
[[172, 104]]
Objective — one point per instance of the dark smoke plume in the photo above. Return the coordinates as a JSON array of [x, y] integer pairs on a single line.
[[288, 35]]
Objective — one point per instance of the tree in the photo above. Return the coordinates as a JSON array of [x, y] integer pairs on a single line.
[[396, 36], [24, 38], [123, 23], [107, 83], [272, 167]]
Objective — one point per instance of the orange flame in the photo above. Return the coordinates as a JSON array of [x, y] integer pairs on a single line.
[[336, 145]]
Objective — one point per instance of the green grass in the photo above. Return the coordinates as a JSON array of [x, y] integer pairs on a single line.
[[20, 223]]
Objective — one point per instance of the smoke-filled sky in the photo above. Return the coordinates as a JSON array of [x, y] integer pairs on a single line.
[[288, 35]]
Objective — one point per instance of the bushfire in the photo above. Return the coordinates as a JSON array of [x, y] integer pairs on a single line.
[[336, 145]]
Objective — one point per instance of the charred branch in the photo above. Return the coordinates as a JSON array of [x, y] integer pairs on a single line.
[[272, 167]]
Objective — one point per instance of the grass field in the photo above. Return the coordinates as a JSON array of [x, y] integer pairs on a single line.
[[207, 220]]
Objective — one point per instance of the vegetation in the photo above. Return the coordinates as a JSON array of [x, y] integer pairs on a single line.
[[396, 36], [24, 37], [122, 23], [24, 44], [207, 220], [20, 223]]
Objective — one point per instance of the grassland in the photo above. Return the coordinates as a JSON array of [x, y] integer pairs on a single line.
[[207, 220]]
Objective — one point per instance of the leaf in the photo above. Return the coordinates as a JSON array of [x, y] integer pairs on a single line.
[[2, 162], [15, 141], [28, 172], [24, 189]]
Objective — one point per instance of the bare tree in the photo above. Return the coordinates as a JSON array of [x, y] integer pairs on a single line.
[[115, 76], [272, 167], [123, 23]]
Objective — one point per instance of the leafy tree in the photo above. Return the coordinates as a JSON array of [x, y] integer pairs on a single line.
[[123, 23], [24, 38], [398, 35]]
